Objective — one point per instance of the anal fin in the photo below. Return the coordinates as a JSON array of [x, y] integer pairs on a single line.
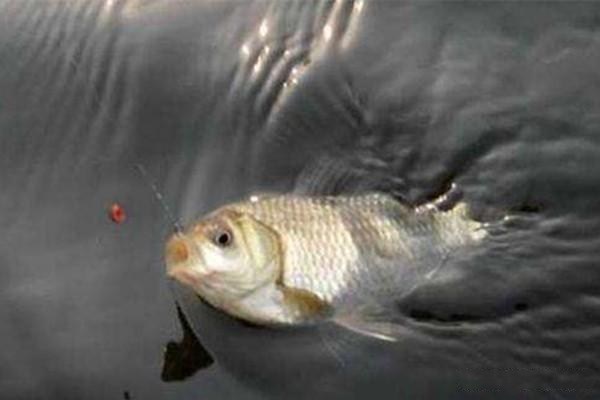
[[374, 321]]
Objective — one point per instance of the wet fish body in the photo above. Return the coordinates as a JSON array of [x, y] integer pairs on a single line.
[[326, 256], [352, 246]]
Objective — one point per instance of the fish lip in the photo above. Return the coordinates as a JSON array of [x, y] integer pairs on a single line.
[[180, 256], [176, 249], [180, 250]]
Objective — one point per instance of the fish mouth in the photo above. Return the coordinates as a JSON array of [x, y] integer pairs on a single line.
[[177, 251], [179, 254], [184, 261]]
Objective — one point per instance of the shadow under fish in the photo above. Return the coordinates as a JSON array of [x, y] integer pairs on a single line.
[[184, 358]]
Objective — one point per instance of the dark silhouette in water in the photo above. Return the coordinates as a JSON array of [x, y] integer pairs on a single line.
[[184, 358]]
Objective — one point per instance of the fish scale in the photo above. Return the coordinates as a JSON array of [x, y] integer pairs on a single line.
[[347, 247]]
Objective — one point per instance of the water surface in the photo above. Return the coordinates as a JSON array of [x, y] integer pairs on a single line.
[[218, 100]]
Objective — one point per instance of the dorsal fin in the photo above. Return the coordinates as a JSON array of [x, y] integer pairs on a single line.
[[444, 201], [330, 175]]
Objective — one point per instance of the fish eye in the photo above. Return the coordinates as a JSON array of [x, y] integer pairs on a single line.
[[223, 238]]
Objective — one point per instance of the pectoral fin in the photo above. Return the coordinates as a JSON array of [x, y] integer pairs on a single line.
[[304, 303]]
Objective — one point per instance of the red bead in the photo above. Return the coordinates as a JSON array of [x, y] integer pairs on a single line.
[[117, 213]]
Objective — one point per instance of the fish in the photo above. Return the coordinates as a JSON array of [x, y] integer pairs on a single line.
[[293, 259]]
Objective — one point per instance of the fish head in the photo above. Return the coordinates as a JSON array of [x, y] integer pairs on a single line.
[[225, 257]]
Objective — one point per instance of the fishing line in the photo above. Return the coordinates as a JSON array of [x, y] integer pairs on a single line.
[[171, 219], [169, 216]]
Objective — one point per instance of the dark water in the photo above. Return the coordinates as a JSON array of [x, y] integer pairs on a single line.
[[220, 99]]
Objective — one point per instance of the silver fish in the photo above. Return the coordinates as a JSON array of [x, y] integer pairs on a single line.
[[293, 259]]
